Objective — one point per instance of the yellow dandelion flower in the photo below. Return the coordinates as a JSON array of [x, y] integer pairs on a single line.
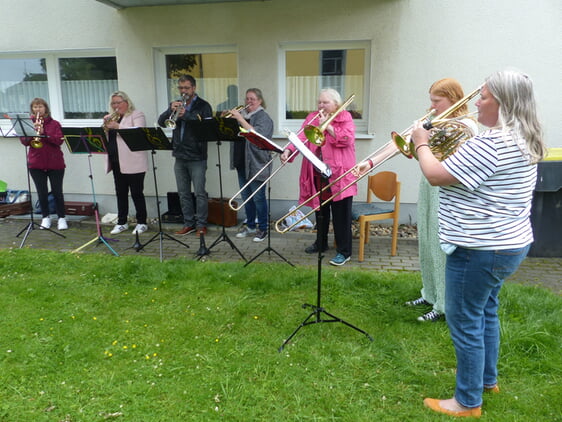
[[95, 318], [114, 342]]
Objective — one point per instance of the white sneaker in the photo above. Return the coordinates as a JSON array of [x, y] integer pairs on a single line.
[[140, 228], [62, 224], [119, 228], [45, 223], [245, 231]]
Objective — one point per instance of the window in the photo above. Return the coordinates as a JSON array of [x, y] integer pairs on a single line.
[[75, 87], [21, 80], [309, 68], [86, 84], [214, 69]]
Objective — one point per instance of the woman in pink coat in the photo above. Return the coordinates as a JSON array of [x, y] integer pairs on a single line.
[[129, 167], [338, 152]]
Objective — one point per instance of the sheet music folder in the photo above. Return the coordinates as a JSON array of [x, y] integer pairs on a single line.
[[215, 129], [318, 164], [85, 140], [260, 141], [145, 138], [22, 126]]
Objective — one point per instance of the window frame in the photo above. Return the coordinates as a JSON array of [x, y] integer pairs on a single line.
[[362, 124], [160, 53], [54, 84]]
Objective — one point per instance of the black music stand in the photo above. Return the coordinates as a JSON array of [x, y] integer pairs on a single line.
[[89, 140], [218, 129], [149, 139], [262, 142], [22, 126], [317, 310]]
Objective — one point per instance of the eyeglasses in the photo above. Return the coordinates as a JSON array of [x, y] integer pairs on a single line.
[[117, 102]]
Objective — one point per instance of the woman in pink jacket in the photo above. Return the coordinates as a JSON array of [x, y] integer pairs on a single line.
[[338, 152], [129, 167]]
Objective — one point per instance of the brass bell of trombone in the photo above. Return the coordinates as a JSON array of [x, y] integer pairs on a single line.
[[315, 134]]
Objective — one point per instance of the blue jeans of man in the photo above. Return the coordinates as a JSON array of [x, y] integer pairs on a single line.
[[473, 282], [255, 206], [188, 173]]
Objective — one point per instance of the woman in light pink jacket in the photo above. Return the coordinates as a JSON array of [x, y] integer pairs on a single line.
[[129, 167], [339, 153]]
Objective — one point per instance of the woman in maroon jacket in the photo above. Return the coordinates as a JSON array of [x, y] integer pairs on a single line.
[[47, 161]]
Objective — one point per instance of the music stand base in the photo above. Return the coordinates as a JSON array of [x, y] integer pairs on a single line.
[[160, 236], [269, 248], [30, 227], [223, 237], [98, 239], [316, 312]]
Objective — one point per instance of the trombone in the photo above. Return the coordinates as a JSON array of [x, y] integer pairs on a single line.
[[397, 145], [313, 134]]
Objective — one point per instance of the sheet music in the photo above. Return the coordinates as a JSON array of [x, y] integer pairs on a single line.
[[319, 165], [260, 141]]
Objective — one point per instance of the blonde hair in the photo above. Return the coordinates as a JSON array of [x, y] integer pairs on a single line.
[[125, 98], [513, 90]]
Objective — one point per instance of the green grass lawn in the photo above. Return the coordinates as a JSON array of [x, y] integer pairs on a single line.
[[95, 337]]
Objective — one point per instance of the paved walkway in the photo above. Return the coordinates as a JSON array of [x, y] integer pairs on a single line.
[[546, 272]]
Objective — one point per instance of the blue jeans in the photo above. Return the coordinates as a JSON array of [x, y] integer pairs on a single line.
[[187, 173], [255, 206], [473, 282]]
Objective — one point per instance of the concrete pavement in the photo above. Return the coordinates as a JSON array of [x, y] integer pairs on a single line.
[[225, 247]]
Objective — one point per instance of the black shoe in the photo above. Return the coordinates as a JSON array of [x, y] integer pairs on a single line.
[[314, 248]]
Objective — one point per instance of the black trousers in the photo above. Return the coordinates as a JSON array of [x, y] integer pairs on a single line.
[[123, 184], [55, 177], [341, 220]]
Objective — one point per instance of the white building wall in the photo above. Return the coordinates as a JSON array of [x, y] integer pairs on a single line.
[[414, 42]]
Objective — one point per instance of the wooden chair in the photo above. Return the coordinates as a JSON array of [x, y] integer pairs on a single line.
[[385, 186]]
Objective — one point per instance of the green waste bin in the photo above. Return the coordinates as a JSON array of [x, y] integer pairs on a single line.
[[546, 212]]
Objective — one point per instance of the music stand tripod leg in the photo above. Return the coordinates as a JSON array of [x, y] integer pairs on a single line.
[[160, 235], [269, 248], [317, 309], [223, 237]]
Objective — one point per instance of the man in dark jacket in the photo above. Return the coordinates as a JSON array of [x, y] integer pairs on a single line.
[[191, 155]]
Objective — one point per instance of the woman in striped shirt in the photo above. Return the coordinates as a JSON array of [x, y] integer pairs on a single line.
[[484, 226]]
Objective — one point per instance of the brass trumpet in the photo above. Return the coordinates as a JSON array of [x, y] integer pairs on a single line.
[[170, 122], [113, 117], [36, 141], [444, 141], [237, 108]]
